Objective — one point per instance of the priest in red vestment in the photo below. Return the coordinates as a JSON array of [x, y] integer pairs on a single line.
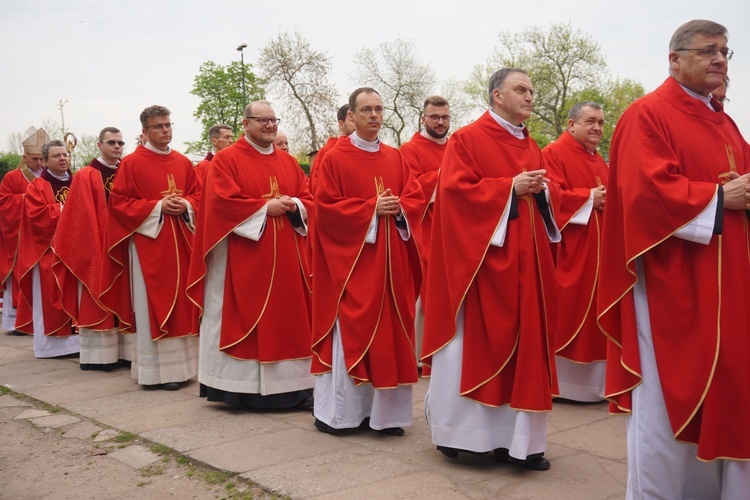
[[573, 163], [491, 289], [346, 127], [12, 189], [366, 277], [149, 240], [80, 248], [424, 154], [221, 136], [673, 283], [249, 273], [40, 309]]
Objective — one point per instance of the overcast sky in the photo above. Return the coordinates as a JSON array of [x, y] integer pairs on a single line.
[[111, 59]]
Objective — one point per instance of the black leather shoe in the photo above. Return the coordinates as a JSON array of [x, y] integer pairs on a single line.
[[532, 462], [448, 452], [324, 427], [391, 431], [539, 463]]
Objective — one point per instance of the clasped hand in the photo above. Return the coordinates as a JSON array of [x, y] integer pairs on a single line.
[[388, 204]]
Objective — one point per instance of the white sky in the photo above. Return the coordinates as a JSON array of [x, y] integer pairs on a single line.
[[111, 59]]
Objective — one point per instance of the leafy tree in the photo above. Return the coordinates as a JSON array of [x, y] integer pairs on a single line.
[[402, 81], [566, 66], [220, 90], [615, 96], [299, 76], [8, 161]]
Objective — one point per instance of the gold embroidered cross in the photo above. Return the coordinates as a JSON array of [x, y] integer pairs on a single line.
[[172, 187]]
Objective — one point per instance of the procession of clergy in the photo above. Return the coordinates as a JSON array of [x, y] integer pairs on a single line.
[[488, 264]]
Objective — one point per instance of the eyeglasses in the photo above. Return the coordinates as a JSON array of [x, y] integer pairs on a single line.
[[112, 142], [710, 52], [161, 126], [59, 155], [264, 121], [368, 110], [723, 100], [437, 118]]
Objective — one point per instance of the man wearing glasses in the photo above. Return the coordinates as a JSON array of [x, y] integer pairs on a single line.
[[250, 275], [80, 249], [366, 277], [149, 237], [424, 155], [673, 283]]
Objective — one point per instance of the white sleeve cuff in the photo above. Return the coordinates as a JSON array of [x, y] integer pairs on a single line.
[[701, 229]]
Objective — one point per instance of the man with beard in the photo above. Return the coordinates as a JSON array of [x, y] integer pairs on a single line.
[[40, 309], [80, 246], [424, 154], [249, 276], [12, 189]]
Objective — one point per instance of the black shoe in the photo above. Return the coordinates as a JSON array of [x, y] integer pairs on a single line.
[[306, 403], [324, 427], [169, 386], [388, 431], [453, 452], [448, 452], [391, 431], [532, 462]]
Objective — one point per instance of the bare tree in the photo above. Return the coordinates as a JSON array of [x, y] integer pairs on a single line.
[[402, 81], [299, 77]]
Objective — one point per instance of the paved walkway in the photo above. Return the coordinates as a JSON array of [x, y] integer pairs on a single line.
[[285, 454]]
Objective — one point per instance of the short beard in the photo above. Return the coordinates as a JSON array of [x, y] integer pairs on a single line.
[[431, 132]]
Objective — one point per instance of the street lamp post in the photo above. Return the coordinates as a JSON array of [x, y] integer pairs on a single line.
[[241, 48]]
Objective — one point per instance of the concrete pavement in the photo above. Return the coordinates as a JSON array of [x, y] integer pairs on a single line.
[[284, 453]]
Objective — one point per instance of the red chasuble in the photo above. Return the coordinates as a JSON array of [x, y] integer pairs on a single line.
[[143, 179], [315, 170], [670, 152], [12, 189], [42, 205], [80, 244], [577, 171], [370, 287], [509, 293], [266, 295], [424, 158], [201, 169]]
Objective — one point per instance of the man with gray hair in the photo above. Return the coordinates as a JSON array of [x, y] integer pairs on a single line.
[[149, 237], [491, 292], [222, 136], [574, 164], [673, 283], [40, 310], [12, 189]]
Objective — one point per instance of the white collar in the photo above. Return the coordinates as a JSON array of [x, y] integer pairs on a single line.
[[59, 177], [148, 146], [515, 131], [101, 160], [261, 150], [695, 95], [369, 146]]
